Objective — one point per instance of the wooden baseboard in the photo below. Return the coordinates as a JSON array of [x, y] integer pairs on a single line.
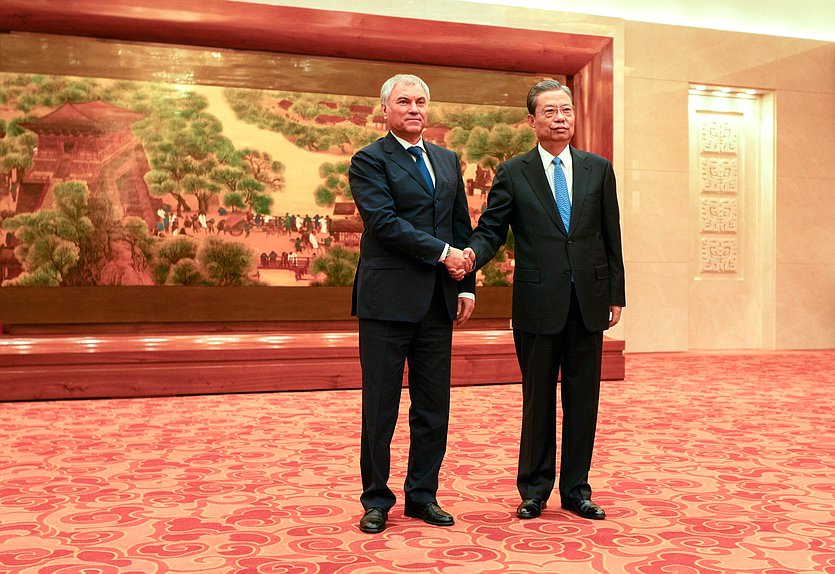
[[99, 366]]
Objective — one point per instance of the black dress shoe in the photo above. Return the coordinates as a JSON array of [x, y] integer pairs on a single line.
[[374, 520], [430, 513], [584, 507], [530, 508]]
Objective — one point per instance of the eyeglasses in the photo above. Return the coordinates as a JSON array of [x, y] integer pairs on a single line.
[[550, 113]]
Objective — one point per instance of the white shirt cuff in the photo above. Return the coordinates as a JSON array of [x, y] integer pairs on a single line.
[[444, 252]]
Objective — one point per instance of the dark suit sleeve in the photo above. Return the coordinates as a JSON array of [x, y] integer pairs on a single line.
[[375, 201], [610, 228], [462, 228], [491, 232]]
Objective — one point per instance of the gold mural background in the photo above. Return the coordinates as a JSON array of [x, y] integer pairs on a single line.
[[193, 178]]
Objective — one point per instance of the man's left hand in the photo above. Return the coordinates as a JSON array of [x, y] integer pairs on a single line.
[[614, 312], [465, 309]]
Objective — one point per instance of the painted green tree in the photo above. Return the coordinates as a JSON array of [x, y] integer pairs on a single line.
[[79, 242], [134, 232], [183, 260], [247, 176], [17, 147], [182, 150], [339, 265], [335, 186], [176, 252], [227, 263], [56, 245], [491, 146]]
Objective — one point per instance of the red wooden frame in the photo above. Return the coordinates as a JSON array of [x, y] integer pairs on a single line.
[[585, 60]]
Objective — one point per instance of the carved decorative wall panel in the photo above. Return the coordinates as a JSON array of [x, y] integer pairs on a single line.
[[719, 136], [719, 255], [719, 174], [719, 191], [719, 215]]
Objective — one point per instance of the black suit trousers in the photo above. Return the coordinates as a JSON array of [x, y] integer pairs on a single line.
[[385, 347], [577, 353]]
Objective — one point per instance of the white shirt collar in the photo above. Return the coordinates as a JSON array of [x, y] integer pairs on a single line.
[[549, 167], [407, 145], [547, 158]]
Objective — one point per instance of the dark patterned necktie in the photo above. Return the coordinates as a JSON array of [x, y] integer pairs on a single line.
[[417, 151]]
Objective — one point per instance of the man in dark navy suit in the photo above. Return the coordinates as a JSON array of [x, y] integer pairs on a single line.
[[410, 194], [568, 287]]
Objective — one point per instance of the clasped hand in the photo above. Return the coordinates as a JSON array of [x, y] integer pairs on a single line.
[[459, 263]]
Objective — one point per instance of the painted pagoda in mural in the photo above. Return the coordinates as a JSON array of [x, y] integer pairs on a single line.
[[92, 142]]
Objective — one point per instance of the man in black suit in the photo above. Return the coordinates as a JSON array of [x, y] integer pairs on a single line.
[[568, 287], [410, 194]]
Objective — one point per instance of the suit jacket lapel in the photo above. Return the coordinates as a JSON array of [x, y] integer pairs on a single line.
[[404, 159], [535, 174], [442, 175], [581, 172]]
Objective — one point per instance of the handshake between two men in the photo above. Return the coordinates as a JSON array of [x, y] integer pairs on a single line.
[[459, 263]]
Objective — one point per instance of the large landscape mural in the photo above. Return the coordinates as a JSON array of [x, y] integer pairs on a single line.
[[106, 182]]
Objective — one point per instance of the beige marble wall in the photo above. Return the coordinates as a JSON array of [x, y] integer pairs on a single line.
[[659, 65], [654, 66], [654, 194]]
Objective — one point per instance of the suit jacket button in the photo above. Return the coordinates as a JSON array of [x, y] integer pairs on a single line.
[[568, 271]]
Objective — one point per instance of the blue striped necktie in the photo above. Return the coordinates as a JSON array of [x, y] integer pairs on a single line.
[[417, 151], [561, 193]]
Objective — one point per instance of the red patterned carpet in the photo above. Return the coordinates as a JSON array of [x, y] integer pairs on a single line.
[[715, 463]]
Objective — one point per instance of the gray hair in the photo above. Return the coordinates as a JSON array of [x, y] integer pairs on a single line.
[[545, 86], [408, 79]]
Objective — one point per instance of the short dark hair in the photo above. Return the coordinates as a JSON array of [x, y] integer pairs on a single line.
[[545, 86]]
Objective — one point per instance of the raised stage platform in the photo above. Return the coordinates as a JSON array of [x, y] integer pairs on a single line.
[[70, 366]]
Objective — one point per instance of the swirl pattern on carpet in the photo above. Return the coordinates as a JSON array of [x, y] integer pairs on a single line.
[[705, 463]]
